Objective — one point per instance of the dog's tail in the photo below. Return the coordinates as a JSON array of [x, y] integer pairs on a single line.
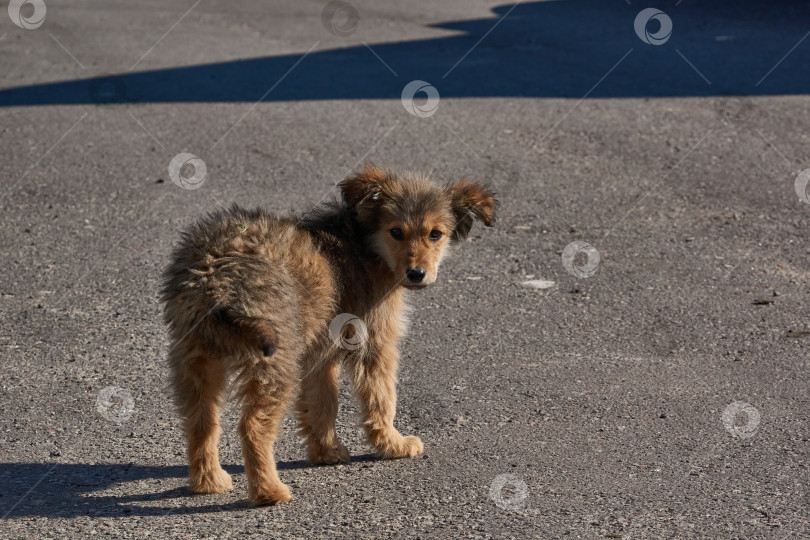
[[256, 331]]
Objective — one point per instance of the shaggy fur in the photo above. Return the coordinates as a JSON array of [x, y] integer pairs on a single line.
[[252, 294]]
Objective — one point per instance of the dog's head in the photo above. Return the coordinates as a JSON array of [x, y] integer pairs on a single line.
[[412, 220]]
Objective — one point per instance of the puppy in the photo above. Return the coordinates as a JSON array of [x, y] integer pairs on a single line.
[[284, 303]]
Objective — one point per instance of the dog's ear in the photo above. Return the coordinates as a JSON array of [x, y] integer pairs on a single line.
[[470, 201], [363, 185]]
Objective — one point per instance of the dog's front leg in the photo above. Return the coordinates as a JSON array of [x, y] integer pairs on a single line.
[[317, 411], [375, 387]]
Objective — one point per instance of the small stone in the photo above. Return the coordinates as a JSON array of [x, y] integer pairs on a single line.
[[538, 283]]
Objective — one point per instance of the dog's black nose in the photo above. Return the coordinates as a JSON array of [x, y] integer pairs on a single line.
[[416, 275]]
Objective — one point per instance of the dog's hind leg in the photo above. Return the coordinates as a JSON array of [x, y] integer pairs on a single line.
[[199, 382], [266, 387], [317, 409]]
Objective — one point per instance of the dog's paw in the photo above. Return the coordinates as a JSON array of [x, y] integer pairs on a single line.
[[212, 482], [330, 456], [279, 493], [405, 447], [412, 446]]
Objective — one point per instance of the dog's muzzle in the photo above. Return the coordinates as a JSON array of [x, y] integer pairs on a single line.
[[415, 275]]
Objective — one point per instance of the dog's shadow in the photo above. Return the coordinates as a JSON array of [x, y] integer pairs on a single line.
[[76, 489]]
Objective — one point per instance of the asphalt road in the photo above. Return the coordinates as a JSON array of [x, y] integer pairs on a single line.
[[659, 390]]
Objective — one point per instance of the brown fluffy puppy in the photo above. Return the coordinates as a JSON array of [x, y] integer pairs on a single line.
[[263, 297]]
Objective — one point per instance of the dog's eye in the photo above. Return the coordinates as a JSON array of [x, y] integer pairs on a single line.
[[397, 234], [435, 235]]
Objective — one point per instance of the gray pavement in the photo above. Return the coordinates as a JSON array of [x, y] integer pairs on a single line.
[[662, 393]]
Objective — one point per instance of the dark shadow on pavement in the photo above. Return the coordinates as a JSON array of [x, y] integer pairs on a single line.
[[559, 48], [69, 489]]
